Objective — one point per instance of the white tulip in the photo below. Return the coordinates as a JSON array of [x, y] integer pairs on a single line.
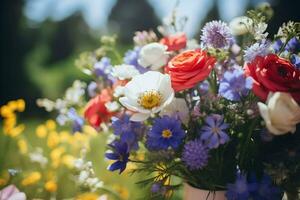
[[147, 94], [281, 113], [124, 72], [153, 55]]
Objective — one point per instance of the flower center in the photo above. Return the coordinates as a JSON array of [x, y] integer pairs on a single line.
[[166, 133], [215, 130], [150, 99]]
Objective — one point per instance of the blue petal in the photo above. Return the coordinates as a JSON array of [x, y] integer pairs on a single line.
[[112, 156]]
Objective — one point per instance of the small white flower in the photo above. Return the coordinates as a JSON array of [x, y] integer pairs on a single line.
[[124, 71], [112, 106], [119, 91], [79, 163], [73, 94], [258, 31], [147, 94], [177, 108], [46, 103], [83, 176], [37, 157], [240, 25], [153, 55], [281, 113]]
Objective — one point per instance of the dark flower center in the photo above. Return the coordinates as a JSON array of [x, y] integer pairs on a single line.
[[282, 71]]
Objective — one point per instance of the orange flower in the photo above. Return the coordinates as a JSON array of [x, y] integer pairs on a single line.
[[174, 42], [189, 68]]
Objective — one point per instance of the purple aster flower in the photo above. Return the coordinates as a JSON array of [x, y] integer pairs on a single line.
[[131, 58], [295, 60], [120, 154], [216, 34], [156, 187], [240, 190], [92, 88], [257, 49], [103, 69], [166, 132], [195, 154], [204, 87], [130, 132], [293, 45], [76, 119], [213, 132], [234, 85]]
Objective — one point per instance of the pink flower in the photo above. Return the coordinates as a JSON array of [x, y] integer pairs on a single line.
[[11, 193]]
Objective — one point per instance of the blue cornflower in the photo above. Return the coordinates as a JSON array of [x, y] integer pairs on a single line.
[[130, 132], [103, 69], [234, 85], [120, 154], [216, 34], [166, 132], [264, 190], [293, 45], [295, 60], [76, 119], [131, 58], [257, 49], [195, 154], [277, 45], [240, 190], [213, 132]]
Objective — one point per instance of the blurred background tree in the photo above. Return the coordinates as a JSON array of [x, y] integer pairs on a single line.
[[41, 38]]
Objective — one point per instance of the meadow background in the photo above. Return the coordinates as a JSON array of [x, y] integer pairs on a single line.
[[40, 40]]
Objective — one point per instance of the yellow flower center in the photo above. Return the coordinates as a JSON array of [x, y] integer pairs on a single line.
[[150, 99], [166, 133]]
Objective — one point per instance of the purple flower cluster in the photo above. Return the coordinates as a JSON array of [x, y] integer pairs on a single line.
[[131, 58], [195, 154], [234, 85], [257, 49], [216, 34], [103, 69], [213, 133], [166, 132]]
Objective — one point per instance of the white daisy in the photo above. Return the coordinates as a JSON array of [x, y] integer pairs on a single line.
[[177, 108], [146, 94], [124, 71]]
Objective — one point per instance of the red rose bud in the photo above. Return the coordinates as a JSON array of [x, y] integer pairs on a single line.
[[174, 42], [189, 68], [273, 74], [96, 112]]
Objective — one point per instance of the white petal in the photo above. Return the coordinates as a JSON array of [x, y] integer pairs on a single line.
[[138, 117]]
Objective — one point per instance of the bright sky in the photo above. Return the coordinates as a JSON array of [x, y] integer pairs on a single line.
[[96, 12]]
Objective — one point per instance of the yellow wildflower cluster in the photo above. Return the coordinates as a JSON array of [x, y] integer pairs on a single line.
[[31, 179], [8, 112]]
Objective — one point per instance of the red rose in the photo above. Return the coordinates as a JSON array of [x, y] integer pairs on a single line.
[[96, 112], [189, 68], [174, 42], [271, 74]]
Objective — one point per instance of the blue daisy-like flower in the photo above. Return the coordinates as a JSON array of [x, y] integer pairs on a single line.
[[103, 69], [195, 154], [76, 119], [257, 49], [131, 58], [213, 133], [234, 85], [166, 132], [130, 132], [120, 153], [216, 34]]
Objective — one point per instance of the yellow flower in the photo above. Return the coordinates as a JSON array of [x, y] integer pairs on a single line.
[[31, 179], [20, 105], [41, 131], [15, 131], [87, 196], [53, 139], [51, 186], [51, 125], [56, 155], [6, 111], [64, 136], [22, 144], [13, 105], [123, 192], [4, 178], [89, 130], [68, 160]]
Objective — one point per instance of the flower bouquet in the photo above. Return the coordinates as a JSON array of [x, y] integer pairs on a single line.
[[217, 115]]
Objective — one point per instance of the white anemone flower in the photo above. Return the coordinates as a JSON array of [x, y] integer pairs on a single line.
[[147, 94], [124, 71], [154, 56]]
